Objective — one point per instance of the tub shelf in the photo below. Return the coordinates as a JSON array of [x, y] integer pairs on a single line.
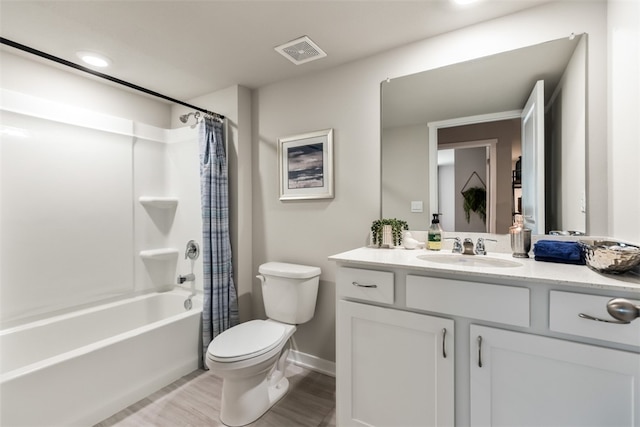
[[159, 202], [159, 254]]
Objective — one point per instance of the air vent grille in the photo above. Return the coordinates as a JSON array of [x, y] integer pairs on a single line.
[[301, 50]]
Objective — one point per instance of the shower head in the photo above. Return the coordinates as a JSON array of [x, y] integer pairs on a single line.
[[185, 117]]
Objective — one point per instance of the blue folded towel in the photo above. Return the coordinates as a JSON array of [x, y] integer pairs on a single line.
[[558, 251]]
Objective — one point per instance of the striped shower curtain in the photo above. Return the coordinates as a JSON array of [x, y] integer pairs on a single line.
[[220, 310]]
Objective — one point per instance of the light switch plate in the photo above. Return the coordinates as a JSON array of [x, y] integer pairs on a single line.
[[416, 206]]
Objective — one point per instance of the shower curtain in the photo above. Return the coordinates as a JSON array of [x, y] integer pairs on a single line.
[[220, 310]]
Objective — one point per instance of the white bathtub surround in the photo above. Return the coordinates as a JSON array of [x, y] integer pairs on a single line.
[[79, 368], [88, 232]]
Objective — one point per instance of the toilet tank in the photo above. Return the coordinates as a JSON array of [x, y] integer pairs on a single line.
[[289, 291]]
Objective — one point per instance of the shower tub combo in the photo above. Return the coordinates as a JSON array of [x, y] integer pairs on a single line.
[[79, 368]]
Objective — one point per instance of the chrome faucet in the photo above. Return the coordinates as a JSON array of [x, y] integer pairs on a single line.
[[480, 248], [457, 244], [186, 278], [467, 247]]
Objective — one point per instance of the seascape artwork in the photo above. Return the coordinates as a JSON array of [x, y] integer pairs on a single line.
[[305, 166]]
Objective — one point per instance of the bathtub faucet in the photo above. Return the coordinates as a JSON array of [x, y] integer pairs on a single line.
[[186, 278]]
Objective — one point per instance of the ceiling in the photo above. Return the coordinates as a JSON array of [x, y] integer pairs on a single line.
[[185, 49], [496, 83]]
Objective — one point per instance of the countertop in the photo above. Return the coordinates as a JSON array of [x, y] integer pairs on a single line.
[[530, 270]]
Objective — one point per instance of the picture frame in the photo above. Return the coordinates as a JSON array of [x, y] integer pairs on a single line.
[[305, 164]]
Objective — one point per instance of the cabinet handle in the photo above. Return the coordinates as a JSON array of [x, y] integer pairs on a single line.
[[363, 286], [479, 351], [597, 319], [444, 336]]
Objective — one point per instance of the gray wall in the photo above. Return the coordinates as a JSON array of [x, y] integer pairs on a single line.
[[347, 99]]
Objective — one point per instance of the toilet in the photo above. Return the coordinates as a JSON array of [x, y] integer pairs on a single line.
[[250, 358]]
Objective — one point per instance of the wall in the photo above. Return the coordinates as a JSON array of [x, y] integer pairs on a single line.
[[468, 161], [506, 132], [447, 195], [412, 170], [623, 148], [28, 74], [347, 99], [564, 151]]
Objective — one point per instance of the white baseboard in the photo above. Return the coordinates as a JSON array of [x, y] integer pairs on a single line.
[[313, 363]]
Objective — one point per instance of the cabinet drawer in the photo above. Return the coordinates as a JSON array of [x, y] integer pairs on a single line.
[[494, 303], [368, 285], [564, 308]]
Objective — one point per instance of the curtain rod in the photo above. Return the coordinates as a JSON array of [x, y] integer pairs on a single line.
[[104, 76]]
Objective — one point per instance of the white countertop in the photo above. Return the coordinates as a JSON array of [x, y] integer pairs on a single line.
[[530, 270]]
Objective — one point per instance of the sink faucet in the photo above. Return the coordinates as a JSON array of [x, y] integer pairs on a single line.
[[467, 247], [186, 278], [457, 244], [480, 248]]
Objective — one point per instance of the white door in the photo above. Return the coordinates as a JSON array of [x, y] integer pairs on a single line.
[[520, 379], [533, 160], [394, 368]]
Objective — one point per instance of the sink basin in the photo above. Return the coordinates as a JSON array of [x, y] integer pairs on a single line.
[[469, 260]]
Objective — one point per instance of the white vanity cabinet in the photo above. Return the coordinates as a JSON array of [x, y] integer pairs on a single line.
[[533, 345], [393, 367], [520, 379]]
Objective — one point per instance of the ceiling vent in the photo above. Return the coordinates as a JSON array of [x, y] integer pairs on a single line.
[[301, 50]]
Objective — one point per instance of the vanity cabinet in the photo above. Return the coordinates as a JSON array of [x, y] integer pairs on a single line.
[[520, 379], [421, 346], [393, 367]]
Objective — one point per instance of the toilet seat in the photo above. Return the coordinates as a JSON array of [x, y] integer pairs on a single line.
[[246, 341]]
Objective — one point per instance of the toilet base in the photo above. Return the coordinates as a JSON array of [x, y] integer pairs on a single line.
[[242, 404]]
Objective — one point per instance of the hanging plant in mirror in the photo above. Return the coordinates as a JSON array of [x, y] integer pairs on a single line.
[[475, 200]]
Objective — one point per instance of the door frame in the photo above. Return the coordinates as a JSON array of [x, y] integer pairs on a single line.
[[433, 147], [491, 173]]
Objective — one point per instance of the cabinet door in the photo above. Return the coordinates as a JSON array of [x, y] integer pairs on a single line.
[[520, 379], [393, 368]]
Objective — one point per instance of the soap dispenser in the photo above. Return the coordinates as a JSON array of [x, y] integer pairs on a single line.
[[434, 235]]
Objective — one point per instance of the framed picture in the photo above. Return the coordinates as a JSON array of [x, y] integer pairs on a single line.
[[306, 166]]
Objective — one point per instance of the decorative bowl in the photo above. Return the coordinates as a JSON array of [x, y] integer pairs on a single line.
[[610, 257]]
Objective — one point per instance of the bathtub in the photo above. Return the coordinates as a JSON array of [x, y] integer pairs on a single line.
[[79, 368]]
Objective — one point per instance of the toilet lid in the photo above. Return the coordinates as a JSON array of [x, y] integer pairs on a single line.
[[246, 340]]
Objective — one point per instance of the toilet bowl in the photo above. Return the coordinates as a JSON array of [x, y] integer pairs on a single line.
[[251, 357]]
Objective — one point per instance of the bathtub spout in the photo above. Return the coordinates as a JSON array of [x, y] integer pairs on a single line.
[[186, 278]]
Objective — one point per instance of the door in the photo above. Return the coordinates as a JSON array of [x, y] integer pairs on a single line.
[[465, 159], [533, 160], [393, 368], [520, 379]]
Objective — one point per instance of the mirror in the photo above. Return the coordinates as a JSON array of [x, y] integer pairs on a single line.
[[480, 104]]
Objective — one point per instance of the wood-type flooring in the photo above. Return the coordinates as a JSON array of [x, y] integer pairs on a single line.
[[194, 401]]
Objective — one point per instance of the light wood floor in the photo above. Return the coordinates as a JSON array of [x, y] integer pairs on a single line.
[[194, 401]]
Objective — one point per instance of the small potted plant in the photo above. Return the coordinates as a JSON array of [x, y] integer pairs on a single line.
[[397, 230]]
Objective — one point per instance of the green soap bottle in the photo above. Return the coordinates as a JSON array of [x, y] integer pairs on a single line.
[[434, 239]]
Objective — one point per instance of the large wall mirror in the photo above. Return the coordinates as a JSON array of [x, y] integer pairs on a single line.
[[488, 139]]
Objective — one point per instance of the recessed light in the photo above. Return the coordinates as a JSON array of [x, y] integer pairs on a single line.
[[94, 59]]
